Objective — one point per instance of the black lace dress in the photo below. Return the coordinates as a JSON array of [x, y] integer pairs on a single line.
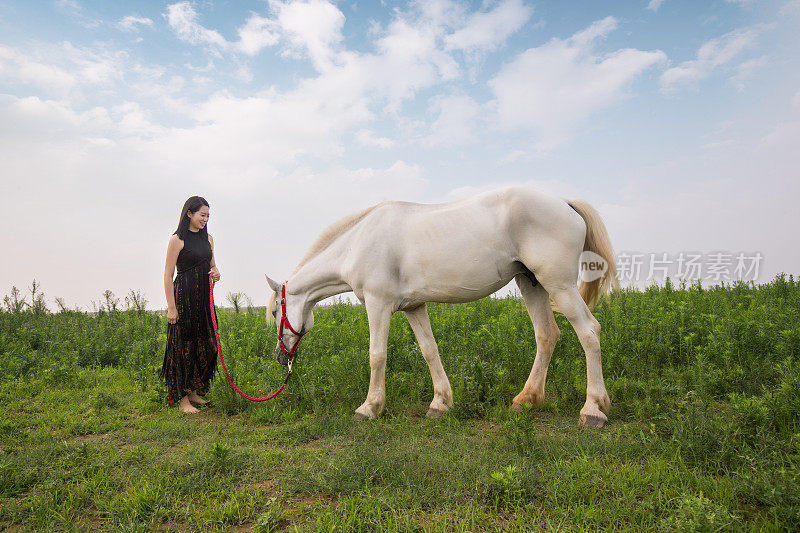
[[190, 358]]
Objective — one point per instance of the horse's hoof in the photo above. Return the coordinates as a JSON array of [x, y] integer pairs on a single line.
[[591, 421], [518, 407], [434, 413], [358, 417]]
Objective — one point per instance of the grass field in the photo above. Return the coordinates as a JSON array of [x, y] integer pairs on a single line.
[[703, 434]]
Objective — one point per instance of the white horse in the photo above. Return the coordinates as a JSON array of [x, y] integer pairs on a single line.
[[397, 256]]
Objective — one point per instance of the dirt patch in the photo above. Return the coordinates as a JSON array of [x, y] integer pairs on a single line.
[[5, 526], [89, 437], [310, 444], [95, 523], [544, 415], [316, 499], [171, 526], [268, 484], [485, 425]]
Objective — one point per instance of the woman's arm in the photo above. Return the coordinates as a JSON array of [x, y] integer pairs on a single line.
[[214, 268], [173, 249]]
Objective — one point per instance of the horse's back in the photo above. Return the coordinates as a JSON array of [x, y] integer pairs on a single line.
[[461, 250]]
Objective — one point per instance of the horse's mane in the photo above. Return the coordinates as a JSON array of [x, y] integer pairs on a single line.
[[323, 241], [329, 235]]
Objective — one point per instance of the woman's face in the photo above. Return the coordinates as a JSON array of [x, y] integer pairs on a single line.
[[199, 218]]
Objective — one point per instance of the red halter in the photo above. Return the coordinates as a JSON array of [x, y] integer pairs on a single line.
[[285, 322]]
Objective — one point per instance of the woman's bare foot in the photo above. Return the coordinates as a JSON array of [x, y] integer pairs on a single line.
[[186, 407], [194, 398]]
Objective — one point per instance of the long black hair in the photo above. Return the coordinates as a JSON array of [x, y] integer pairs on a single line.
[[192, 205]]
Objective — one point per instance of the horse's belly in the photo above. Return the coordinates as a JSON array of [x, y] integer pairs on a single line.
[[457, 283]]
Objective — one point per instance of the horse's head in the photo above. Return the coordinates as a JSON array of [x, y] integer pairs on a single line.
[[292, 319]]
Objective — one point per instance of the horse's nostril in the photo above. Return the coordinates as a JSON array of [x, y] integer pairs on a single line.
[[281, 357]]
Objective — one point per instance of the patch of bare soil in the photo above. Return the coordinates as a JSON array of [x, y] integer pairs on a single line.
[[485, 425], [268, 484], [89, 437], [316, 499]]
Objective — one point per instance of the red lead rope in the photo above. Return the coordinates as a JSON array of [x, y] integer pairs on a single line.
[[219, 351]]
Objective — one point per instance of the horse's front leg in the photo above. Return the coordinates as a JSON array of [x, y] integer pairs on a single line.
[[379, 314]]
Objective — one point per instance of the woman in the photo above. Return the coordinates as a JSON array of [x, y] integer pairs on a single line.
[[190, 358]]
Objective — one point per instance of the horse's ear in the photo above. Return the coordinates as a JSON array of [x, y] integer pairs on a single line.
[[274, 285]]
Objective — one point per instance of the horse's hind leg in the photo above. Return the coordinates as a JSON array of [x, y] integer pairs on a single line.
[[537, 302], [570, 303], [442, 393]]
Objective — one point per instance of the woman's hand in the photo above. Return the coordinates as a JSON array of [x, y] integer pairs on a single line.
[[215, 274], [172, 315]]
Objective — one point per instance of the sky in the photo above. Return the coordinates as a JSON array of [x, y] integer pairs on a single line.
[[679, 120]]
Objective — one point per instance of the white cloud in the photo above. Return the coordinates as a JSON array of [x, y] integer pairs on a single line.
[[131, 120], [414, 43], [487, 30], [710, 56], [513, 156], [718, 144], [582, 40], [442, 14], [792, 7], [257, 33], [653, 5], [796, 99], [22, 68], [182, 18], [357, 82], [455, 122], [268, 132], [34, 120], [78, 13], [252, 138], [745, 72], [132, 22], [60, 69], [783, 135], [369, 138], [314, 26], [400, 181], [413, 49], [550, 89]]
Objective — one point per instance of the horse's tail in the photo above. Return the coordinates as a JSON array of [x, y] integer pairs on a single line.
[[597, 241]]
